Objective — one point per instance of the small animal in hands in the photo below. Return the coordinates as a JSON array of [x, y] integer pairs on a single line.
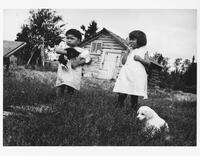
[[62, 59], [71, 54], [153, 124]]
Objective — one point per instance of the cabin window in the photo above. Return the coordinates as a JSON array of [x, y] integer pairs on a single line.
[[96, 46]]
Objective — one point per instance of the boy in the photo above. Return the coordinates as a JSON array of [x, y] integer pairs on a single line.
[[70, 76]]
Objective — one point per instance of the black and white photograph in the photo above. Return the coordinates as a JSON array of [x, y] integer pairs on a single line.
[[99, 77]]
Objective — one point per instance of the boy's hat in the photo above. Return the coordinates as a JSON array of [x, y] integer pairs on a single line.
[[74, 32]]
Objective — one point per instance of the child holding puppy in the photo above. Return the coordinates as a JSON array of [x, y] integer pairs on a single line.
[[71, 61], [132, 79]]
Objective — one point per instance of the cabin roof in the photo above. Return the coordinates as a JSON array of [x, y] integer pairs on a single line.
[[10, 47], [117, 38]]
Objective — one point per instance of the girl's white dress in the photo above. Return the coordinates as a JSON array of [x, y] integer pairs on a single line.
[[132, 78], [72, 77]]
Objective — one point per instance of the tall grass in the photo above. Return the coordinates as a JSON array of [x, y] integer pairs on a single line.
[[89, 118]]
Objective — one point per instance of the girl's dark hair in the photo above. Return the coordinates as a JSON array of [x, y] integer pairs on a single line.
[[74, 32], [140, 36]]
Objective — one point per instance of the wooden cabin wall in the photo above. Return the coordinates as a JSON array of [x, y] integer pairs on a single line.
[[154, 79], [108, 45]]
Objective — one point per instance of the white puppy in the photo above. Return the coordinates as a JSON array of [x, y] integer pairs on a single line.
[[152, 122]]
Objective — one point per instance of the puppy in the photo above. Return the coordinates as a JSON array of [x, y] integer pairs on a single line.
[[153, 124], [71, 53], [62, 59]]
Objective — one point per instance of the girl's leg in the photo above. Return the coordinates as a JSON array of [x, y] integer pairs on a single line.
[[70, 90], [60, 90], [134, 102], [121, 99]]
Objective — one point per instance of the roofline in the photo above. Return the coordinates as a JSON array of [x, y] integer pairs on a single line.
[[156, 63], [90, 38], [98, 34], [14, 50], [121, 43]]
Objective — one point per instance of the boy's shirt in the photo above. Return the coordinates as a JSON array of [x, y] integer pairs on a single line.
[[71, 77]]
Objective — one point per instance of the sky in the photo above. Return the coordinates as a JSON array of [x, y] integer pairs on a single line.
[[172, 32]]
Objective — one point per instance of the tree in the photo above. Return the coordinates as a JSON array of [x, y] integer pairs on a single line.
[[24, 35], [41, 32], [91, 30], [158, 57], [177, 65], [191, 74], [183, 77], [185, 65], [162, 60]]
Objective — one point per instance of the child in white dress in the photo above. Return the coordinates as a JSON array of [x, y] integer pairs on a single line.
[[69, 74], [132, 79]]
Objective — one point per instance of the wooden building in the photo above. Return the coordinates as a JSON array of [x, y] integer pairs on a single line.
[[9, 49], [106, 49]]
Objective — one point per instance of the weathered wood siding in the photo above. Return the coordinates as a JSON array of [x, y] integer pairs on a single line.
[[109, 45], [154, 78]]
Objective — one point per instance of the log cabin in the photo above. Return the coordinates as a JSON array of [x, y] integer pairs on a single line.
[[106, 49]]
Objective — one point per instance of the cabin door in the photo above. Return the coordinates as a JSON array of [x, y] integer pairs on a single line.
[[109, 64]]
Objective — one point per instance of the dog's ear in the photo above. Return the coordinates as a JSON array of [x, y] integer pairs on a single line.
[[62, 60], [72, 53], [148, 114]]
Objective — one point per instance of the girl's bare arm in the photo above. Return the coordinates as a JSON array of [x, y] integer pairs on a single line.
[[145, 61], [124, 58]]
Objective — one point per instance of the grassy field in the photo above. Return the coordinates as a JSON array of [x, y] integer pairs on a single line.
[[87, 118]]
